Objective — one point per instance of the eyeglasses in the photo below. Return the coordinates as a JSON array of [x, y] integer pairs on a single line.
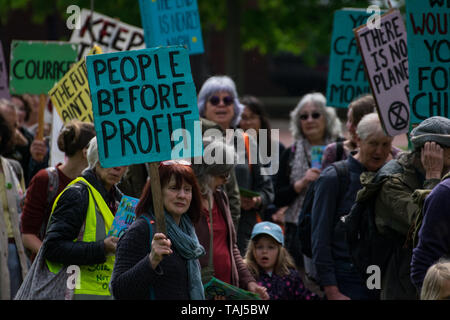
[[314, 115], [175, 162], [215, 100]]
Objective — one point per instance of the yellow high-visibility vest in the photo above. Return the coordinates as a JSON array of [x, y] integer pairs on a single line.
[[94, 279]]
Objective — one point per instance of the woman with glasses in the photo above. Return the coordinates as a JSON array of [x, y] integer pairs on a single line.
[[312, 124], [151, 265], [215, 227], [254, 117], [218, 102]]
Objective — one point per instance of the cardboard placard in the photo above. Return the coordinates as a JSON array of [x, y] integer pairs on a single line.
[[385, 55], [139, 100], [36, 66], [346, 77], [4, 90], [172, 22], [111, 35], [428, 28], [70, 96]]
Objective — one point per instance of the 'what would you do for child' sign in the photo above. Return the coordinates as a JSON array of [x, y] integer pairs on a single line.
[[144, 105]]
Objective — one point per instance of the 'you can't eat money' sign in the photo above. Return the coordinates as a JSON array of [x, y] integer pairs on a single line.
[[144, 105]]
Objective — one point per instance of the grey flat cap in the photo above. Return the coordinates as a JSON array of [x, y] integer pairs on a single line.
[[435, 129]]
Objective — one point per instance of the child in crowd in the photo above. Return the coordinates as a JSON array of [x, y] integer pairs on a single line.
[[436, 285], [272, 265]]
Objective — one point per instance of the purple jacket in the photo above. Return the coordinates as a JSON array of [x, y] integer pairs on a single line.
[[434, 235]]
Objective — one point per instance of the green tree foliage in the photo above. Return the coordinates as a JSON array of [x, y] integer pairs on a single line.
[[301, 27]]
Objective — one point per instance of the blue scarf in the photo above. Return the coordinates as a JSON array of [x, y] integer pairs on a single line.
[[185, 241]]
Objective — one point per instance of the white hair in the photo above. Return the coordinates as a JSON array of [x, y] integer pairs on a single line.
[[92, 153], [333, 128], [370, 124], [216, 84]]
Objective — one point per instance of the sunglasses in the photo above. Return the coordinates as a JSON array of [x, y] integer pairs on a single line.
[[314, 115], [175, 162], [215, 100]]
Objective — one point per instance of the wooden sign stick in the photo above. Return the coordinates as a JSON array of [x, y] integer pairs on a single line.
[[40, 128], [158, 208]]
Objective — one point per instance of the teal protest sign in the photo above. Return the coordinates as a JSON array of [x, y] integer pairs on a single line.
[[172, 22], [428, 29], [144, 105], [346, 77], [36, 66]]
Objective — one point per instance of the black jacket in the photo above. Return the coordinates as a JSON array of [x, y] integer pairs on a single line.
[[67, 220]]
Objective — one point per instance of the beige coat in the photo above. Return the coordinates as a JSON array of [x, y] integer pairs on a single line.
[[13, 196]]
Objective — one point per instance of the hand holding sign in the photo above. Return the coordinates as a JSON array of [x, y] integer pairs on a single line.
[[139, 98]]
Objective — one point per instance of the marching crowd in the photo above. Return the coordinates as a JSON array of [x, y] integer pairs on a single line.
[[55, 220]]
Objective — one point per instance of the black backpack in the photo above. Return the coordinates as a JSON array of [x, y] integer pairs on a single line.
[[304, 218], [366, 245]]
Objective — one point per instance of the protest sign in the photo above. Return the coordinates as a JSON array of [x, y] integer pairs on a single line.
[[139, 98], [385, 55], [4, 90], [109, 34], [37, 65], [346, 78], [172, 22], [428, 28], [56, 155], [70, 96], [124, 217]]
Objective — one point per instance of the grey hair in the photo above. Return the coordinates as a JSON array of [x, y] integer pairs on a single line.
[[333, 128], [209, 168], [216, 84], [434, 280], [92, 153], [370, 124]]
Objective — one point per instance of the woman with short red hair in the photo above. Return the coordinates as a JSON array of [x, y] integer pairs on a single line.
[[151, 265]]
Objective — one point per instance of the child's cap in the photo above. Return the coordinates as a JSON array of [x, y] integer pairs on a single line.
[[269, 228]]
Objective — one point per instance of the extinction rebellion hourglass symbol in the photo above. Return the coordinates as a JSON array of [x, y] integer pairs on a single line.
[[398, 115]]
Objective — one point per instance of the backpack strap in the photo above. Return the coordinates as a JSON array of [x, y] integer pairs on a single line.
[[53, 184], [150, 222], [339, 150], [247, 150], [341, 168], [52, 193]]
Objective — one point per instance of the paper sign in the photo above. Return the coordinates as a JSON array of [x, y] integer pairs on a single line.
[[124, 217], [56, 155], [346, 78], [316, 156], [385, 55], [4, 90], [71, 96], [172, 22], [109, 34], [36, 66], [140, 100], [428, 28]]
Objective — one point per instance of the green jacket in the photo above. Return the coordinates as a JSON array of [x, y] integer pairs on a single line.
[[395, 212]]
